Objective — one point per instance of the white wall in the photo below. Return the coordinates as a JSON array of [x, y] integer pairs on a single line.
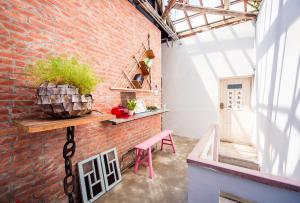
[[278, 87], [204, 185], [191, 73]]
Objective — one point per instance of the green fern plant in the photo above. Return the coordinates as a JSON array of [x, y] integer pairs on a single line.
[[64, 70]]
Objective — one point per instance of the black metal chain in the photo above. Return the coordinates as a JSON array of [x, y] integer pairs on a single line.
[[68, 152]]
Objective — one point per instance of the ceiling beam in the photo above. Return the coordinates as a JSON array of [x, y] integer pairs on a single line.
[[204, 16], [211, 26], [226, 4], [187, 16], [168, 9], [214, 11], [150, 10], [250, 4], [245, 5], [159, 5], [222, 4], [198, 14]]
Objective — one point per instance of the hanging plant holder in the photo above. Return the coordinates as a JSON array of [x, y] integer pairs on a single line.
[[140, 64], [138, 81], [145, 68], [149, 54], [63, 101]]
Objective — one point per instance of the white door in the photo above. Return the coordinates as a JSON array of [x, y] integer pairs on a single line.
[[236, 116]]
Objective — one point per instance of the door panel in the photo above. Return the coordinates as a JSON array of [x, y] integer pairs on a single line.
[[236, 116]]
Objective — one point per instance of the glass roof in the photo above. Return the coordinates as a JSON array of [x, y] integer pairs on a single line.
[[197, 20]]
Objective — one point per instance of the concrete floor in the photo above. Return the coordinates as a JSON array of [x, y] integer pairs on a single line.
[[169, 184]]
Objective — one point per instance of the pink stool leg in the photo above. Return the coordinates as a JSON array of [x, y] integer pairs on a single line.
[[172, 142], [162, 144], [151, 173], [137, 159]]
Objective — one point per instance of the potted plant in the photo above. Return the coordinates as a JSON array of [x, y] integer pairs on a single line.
[[151, 108], [131, 104], [148, 62], [64, 86]]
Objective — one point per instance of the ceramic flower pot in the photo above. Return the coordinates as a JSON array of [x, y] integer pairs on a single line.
[[130, 112]]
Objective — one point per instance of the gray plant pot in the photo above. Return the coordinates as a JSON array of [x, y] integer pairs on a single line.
[[63, 101]]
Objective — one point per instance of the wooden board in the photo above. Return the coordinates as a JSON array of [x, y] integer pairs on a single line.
[[137, 84], [130, 90], [214, 11], [149, 54], [144, 68], [44, 124]]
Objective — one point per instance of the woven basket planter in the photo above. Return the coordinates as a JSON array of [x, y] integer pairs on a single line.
[[63, 101]]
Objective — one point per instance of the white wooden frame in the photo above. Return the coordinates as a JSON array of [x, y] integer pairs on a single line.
[[105, 173], [82, 181]]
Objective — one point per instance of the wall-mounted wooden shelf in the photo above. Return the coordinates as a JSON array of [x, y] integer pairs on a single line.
[[44, 124], [137, 84], [116, 121], [144, 68], [130, 90], [136, 66]]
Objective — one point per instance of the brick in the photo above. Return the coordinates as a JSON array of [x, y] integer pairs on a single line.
[[24, 103], [33, 166], [6, 82], [13, 27], [5, 61]]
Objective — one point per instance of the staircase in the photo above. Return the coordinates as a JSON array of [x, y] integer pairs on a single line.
[[239, 155]]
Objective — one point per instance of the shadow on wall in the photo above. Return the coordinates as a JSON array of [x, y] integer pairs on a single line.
[[191, 73], [278, 88]]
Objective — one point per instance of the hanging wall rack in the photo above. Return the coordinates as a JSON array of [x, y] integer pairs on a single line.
[[139, 64]]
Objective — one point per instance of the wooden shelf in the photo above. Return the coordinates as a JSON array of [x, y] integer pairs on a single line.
[[137, 84], [130, 90], [149, 54], [117, 121], [44, 124], [144, 68], [137, 65]]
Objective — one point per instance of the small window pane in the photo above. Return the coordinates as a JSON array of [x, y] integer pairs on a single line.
[[87, 167], [182, 26], [87, 187], [234, 86], [197, 21], [97, 189], [111, 156]]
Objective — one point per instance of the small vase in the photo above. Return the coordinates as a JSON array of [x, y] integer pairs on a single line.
[[130, 112]]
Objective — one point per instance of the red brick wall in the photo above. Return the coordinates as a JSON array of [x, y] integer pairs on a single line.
[[104, 33]]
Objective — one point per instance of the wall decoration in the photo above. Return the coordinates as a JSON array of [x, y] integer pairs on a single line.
[[91, 179], [137, 76], [111, 169], [98, 174]]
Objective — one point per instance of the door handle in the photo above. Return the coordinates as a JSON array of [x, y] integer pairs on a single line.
[[221, 105]]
